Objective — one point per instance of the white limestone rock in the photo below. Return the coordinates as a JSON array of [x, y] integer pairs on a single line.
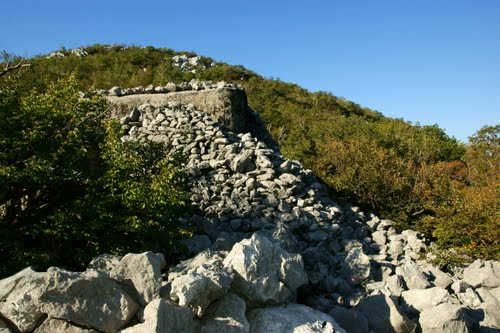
[[142, 271], [264, 272], [200, 281], [483, 274], [162, 316], [384, 315], [356, 266], [295, 318], [53, 325], [90, 298], [490, 307], [445, 318], [226, 316], [413, 275], [417, 300], [19, 298]]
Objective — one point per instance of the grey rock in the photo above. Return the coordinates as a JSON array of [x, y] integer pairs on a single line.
[[413, 275], [226, 316], [292, 318], [483, 274], [469, 298], [162, 316], [264, 272], [200, 281], [490, 307], [197, 243], [356, 267], [349, 320], [459, 286], [54, 325], [243, 161], [379, 237], [142, 272], [445, 318], [90, 298], [395, 285], [384, 316], [19, 298], [115, 91], [417, 300], [135, 114], [441, 279]]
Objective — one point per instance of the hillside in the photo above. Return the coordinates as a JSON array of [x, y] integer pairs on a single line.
[[415, 175]]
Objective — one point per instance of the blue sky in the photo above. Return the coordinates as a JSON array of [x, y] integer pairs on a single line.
[[431, 61]]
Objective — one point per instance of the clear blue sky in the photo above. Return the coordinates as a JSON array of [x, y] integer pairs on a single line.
[[432, 61]]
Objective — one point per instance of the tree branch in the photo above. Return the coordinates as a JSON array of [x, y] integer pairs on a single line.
[[9, 67]]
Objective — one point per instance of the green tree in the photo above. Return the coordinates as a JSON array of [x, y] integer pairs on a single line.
[[70, 189]]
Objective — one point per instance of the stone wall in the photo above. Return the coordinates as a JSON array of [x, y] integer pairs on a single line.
[[225, 102]]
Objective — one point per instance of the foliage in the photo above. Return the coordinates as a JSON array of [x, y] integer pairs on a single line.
[[69, 189]]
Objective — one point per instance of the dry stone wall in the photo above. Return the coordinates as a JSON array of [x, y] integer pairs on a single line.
[[276, 254]]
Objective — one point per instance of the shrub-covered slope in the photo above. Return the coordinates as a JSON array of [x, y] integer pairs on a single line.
[[416, 175]]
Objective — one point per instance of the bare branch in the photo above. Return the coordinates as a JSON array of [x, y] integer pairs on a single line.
[[9, 67]]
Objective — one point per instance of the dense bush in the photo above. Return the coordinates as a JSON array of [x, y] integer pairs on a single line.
[[70, 189]]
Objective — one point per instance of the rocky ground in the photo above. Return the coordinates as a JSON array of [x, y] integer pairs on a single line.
[[275, 254]]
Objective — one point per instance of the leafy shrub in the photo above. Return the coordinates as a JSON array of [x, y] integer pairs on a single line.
[[70, 189]]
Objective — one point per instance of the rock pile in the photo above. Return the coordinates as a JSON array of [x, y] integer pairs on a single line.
[[79, 52], [191, 64], [277, 255], [216, 291]]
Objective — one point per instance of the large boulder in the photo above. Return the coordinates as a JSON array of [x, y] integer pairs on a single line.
[[142, 272], [445, 318], [90, 299], [483, 274], [292, 318], [19, 298], [384, 316], [162, 316], [226, 316], [417, 300], [199, 281], [264, 272]]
